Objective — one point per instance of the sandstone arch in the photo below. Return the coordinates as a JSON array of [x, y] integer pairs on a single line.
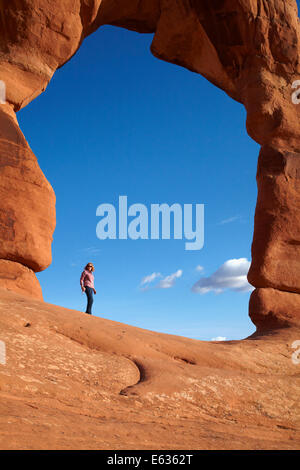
[[248, 48]]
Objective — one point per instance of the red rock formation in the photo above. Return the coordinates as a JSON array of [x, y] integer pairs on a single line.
[[27, 210], [249, 48], [276, 241], [272, 309], [161, 391], [18, 278]]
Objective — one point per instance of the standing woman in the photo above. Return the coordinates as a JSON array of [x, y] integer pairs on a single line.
[[87, 285]]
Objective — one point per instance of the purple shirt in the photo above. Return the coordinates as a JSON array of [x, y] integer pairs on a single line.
[[87, 279]]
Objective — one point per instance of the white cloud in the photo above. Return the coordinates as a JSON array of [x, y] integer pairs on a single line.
[[228, 221], [91, 250], [231, 275], [199, 268], [2, 353], [219, 338], [149, 278], [169, 281]]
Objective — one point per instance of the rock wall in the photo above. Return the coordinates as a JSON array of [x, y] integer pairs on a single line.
[[27, 210], [248, 48]]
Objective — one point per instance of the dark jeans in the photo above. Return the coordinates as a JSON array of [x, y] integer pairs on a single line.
[[90, 299]]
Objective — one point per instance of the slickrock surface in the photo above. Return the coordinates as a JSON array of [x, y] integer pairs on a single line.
[[72, 381]]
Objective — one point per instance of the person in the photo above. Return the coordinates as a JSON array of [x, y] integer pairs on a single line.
[[87, 286]]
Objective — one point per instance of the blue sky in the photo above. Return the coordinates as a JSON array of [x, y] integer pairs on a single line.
[[117, 121]]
